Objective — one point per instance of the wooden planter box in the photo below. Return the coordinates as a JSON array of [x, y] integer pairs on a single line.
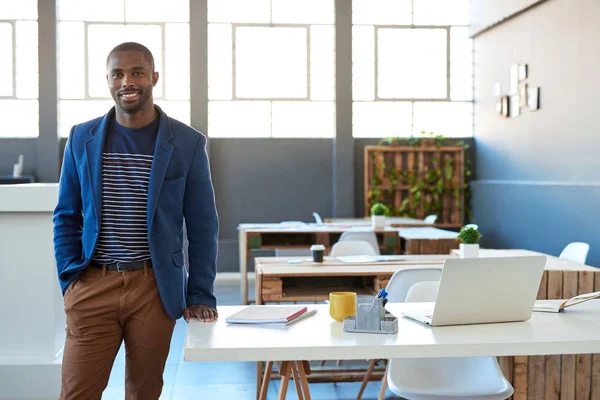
[[390, 170]]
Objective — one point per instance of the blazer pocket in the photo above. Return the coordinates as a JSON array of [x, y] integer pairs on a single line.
[[174, 181], [178, 258]]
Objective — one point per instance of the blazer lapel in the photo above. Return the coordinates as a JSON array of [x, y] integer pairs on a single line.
[[160, 163], [94, 148]]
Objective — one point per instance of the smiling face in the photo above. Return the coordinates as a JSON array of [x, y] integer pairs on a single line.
[[130, 78]]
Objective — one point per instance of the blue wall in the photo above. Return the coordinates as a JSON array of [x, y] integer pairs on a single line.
[[538, 185]]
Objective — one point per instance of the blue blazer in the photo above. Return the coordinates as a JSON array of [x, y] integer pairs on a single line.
[[180, 187]]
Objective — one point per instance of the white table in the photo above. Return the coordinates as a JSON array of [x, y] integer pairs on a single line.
[[321, 338], [426, 233], [31, 304]]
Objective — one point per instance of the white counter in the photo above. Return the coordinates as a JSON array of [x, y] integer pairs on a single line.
[[31, 305]]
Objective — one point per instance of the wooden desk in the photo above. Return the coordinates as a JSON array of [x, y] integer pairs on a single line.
[[276, 280], [535, 345], [395, 222], [427, 240], [277, 236]]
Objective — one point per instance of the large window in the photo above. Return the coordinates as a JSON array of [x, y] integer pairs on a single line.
[[19, 77], [271, 68], [412, 68], [88, 32]]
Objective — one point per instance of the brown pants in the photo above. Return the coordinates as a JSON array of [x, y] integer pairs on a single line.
[[104, 308]]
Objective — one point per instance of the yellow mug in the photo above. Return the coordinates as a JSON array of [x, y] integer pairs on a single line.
[[342, 305]]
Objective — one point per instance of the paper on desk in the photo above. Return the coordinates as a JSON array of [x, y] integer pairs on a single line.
[[391, 258]]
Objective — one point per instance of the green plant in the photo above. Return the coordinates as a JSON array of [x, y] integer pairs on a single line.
[[469, 235], [379, 209], [431, 187]]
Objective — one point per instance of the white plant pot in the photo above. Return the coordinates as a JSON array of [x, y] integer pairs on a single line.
[[469, 250], [378, 221]]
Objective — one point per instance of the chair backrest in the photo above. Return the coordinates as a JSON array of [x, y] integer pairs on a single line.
[[318, 218], [430, 219], [361, 236], [423, 292], [352, 248], [576, 252], [403, 279]]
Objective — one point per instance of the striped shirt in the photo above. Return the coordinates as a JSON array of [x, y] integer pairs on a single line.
[[126, 165]]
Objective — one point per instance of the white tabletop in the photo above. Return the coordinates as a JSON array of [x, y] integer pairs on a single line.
[[321, 338], [28, 197], [426, 233]]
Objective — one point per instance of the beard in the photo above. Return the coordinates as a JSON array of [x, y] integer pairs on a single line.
[[133, 107]]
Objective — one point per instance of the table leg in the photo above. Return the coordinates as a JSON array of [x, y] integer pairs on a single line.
[[297, 380], [243, 250], [304, 368], [367, 378], [259, 375], [264, 388], [285, 379], [384, 381]]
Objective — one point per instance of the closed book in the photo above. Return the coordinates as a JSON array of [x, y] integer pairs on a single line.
[[266, 315]]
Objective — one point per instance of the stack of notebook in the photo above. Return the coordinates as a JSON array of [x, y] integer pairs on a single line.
[[270, 315]]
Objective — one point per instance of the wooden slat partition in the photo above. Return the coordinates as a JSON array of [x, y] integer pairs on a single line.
[[570, 376], [389, 169]]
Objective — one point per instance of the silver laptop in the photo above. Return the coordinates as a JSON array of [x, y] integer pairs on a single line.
[[485, 290]]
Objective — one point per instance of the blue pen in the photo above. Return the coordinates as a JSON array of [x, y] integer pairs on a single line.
[[383, 295]]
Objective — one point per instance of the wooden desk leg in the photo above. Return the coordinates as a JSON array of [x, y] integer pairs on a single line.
[[384, 382], [258, 287], [304, 368], [285, 379], [264, 388], [294, 365], [259, 375], [363, 386]]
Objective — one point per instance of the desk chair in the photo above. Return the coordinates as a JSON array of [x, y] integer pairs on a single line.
[[318, 219], [398, 288], [475, 378], [353, 248], [576, 252], [362, 236], [430, 219]]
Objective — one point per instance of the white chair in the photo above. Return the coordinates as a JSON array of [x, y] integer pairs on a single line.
[[430, 219], [576, 252], [476, 378], [397, 289], [403, 279], [352, 248], [361, 236], [422, 292], [318, 218]]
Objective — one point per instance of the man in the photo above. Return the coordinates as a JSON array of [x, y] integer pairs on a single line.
[[128, 180]]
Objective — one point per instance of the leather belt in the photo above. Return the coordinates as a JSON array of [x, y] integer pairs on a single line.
[[121, 266]]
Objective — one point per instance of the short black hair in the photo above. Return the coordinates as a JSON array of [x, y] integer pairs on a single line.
[[133, 46]]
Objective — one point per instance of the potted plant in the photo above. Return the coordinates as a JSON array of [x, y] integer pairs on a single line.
[[468, 237], [378, 213]]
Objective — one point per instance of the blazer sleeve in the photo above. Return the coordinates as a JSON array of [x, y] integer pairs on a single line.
[[68, 218], [202, 228]]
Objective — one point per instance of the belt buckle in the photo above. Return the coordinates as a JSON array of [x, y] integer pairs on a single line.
[[119, 267]]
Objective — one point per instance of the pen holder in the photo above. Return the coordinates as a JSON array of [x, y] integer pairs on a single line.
[[369, 312], [371, 317]]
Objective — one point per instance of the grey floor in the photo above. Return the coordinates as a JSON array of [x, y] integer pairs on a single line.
[[222, 380]]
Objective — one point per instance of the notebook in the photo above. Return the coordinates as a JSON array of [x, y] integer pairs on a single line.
[[551, 306], [266, 315]]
